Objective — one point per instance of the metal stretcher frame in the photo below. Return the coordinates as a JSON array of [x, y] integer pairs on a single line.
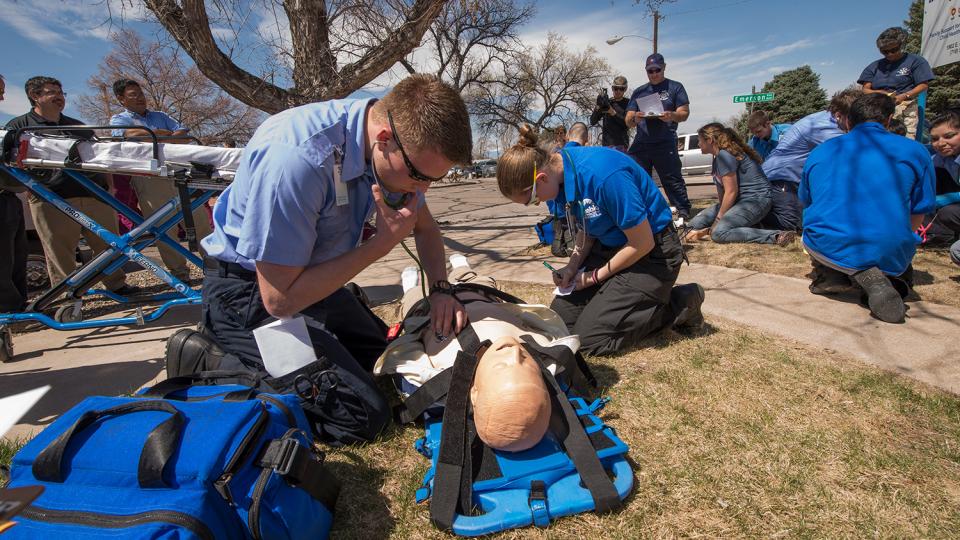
[[193, 192]]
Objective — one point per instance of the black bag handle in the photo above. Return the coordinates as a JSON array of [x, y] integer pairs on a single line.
[[164, 389], [161, 443]]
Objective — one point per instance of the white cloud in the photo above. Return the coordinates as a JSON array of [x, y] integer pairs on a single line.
[[15, 102], [58, 25]]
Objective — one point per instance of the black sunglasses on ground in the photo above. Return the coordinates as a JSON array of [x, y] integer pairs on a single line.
[[414, 173]]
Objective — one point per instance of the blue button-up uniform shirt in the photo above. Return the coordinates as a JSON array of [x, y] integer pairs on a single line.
[[786, 161], [151, 119], [609, 193], [283, 205], [859, 191], [765, 146]]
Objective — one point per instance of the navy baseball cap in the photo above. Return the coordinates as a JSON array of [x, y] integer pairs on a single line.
[[655, 60]]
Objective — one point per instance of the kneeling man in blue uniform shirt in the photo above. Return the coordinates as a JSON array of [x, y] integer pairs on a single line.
[[865, 193], [288, 235]]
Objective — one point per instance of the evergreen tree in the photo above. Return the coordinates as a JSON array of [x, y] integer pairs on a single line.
[[945, 89], [798, 93]]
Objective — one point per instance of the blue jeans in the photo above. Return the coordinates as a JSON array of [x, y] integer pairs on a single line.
[[736, 224]]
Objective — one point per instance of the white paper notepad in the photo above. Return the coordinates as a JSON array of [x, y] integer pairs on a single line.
[[650, 105], [285, 346]]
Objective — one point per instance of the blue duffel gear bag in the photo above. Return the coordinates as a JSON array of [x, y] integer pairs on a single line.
[[177, 461]]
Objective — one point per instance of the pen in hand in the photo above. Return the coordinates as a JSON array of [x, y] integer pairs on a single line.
[[551, 268]]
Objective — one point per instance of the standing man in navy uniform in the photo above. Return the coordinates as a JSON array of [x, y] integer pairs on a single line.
[[288, 231], [655, 144]]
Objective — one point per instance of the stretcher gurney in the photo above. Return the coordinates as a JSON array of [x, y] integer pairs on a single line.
[[198, 172]]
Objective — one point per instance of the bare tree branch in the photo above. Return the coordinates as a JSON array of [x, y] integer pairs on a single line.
[[335, 46]]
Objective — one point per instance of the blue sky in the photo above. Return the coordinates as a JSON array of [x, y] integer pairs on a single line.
[[716, 48]]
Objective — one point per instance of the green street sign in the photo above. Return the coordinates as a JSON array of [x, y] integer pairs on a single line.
[[753, 98]]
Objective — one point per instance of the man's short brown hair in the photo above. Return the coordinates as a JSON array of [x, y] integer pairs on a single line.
[[842, 100], [757, 119], [429, 113]]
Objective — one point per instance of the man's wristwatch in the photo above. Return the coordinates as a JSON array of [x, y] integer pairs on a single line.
[[441, 286]]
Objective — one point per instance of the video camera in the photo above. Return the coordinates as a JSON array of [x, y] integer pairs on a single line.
[[603, 100]]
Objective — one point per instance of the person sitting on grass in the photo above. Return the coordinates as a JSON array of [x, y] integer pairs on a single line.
[[744, 192], [864, 194], [944, 225]]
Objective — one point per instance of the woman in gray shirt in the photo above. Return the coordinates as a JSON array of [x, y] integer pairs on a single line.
[[744, 192]]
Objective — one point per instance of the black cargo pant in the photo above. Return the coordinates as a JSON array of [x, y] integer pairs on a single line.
[[663, 157], [13, 254], [348, 338], [629, 306]]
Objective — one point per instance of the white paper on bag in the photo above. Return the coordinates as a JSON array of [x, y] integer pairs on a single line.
[[12, 408], [570, 288], [650, 105], [284, 345]]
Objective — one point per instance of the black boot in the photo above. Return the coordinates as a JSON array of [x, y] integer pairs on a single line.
[[883, 299], [189, 351], [686, 301]]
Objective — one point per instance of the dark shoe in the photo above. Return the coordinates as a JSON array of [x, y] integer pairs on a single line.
[[189, 351], [883, 299], [686, 301], [785, 238], [831, 283]]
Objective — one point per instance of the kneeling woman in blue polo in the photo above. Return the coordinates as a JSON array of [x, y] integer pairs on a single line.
[[627, 254]]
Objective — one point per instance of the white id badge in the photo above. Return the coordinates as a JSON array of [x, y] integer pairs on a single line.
[[343, 196]]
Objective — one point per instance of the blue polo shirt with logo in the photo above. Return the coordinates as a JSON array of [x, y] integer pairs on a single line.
[[283, 206], [899, 76], [610, 193], [653, 130]]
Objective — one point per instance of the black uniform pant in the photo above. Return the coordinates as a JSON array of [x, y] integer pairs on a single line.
[[666, 160], [347, 337], [786, 213], [944, 224], [13, 254], [629, 306]]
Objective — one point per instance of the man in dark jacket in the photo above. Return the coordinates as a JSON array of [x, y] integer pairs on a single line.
[[611, 113]]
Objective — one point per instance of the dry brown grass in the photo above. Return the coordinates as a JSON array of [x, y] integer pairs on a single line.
[[733, 434]]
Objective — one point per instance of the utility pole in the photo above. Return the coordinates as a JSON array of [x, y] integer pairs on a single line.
[[753, 90], [656, 28]]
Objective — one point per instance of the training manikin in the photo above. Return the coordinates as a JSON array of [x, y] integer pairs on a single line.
[[511, 406]]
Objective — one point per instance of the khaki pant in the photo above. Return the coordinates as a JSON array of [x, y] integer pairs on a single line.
[[59, 235], [155, 192], [907, 112]]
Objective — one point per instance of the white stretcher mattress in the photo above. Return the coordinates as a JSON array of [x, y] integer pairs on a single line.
[[133, 158]]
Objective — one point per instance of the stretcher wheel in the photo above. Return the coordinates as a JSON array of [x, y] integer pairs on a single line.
[[68, 314], [6, 345]]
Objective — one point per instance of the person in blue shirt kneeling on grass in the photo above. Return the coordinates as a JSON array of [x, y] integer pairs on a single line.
[[864, 194], [627, 253]]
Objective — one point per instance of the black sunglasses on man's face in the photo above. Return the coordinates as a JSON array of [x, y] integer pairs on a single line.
[[414, 173]]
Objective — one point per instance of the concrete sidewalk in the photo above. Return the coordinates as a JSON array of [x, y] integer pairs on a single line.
[[495, 236]]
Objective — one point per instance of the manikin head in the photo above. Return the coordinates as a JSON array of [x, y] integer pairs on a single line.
[[511, 406]]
